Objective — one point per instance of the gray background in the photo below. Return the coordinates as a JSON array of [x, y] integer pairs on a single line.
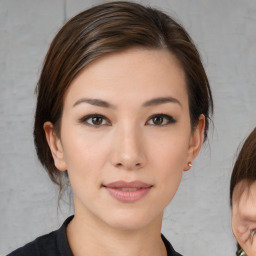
[[198, 220]]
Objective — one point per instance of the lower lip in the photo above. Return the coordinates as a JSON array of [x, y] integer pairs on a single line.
[[128, 196]]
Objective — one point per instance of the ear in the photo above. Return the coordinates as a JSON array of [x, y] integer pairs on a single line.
[[196, 141], [55, 145]]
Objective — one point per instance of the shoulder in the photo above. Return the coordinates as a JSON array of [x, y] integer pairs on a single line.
[[169, 248], [52, 244], [43, 245]]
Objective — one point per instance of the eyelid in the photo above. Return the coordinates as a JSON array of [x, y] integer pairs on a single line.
[[170, 119], [84, 120]]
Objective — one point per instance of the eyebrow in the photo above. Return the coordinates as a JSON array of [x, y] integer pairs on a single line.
[[94, 102], [105, 104], [161, 100]]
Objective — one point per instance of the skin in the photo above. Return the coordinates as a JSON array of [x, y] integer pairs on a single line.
[[244, 216], [127, 145]]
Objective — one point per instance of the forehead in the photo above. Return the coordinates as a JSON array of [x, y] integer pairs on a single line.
[[244, 190], [136, 73]]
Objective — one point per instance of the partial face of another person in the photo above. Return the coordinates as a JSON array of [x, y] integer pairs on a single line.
[[125, 137], [244, 216]]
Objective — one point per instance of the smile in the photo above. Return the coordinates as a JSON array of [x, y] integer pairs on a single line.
[[128, 192]]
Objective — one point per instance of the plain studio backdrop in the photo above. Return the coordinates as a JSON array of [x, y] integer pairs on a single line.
[[197, 222]]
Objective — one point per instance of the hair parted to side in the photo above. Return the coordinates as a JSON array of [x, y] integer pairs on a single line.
[[245, 165], [108, 28]]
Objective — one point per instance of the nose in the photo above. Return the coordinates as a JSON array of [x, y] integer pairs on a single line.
[[128, 149]]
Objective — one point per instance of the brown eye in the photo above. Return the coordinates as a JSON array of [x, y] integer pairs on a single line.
[[160, 120], [97, 120], [157, 120]]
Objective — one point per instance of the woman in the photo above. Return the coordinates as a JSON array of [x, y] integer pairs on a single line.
[[243, 197], [123, 108]]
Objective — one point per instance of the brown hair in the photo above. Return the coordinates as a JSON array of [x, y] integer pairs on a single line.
[[245, 165], [107, 28]]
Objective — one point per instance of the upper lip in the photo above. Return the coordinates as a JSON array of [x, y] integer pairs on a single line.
[[124, 184]]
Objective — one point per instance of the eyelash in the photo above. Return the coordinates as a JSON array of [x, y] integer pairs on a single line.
[[166, 119], [85, 120]]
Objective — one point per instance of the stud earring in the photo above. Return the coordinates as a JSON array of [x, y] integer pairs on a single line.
[[190, 164]]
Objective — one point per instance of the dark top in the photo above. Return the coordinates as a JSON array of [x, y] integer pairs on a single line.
[[56, 244]]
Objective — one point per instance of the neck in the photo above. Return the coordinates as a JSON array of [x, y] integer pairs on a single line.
[[88, 236]]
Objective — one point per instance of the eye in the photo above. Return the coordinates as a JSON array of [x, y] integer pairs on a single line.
[[95, 120], [160, 120]]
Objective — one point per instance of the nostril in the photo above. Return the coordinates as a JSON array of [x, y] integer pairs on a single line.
[[128, 165], [118, 165]]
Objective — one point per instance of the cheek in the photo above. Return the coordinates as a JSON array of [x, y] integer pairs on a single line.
[[84, 167], [169, 159], [171, 151], [170, 170], [82, 148], [83, 158]]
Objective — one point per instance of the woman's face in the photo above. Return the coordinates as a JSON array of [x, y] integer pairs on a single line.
[[125, 137]]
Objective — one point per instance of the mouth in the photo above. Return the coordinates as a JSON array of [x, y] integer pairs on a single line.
[[128, 189], [128, 192]]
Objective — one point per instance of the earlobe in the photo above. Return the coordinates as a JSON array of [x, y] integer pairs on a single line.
[[189, 165], [55, 145], [196, 141]]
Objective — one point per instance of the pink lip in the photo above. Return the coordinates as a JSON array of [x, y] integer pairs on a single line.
[[128, 192]]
